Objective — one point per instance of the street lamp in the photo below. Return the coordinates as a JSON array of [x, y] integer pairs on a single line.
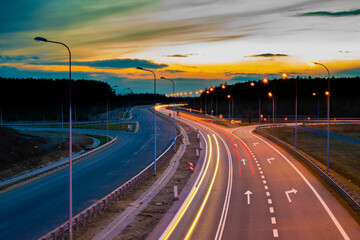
[[328, 113], [252, 84], [148, 70], [211, 109], [229, 97], [285, 76], [41, 39], [314, 94], [271, 95], [173, 106], [206, 110]]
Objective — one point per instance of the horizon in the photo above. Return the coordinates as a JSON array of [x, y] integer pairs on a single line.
[[197, 44]]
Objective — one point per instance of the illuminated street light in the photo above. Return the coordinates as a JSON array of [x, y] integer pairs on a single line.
[[252, 84], [318, 102], [271, 95], [327, 93], [41, 39], [173, 83], [285, 76], [148, 70], [229, 97]]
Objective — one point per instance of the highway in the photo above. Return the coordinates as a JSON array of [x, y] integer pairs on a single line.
[[249, 188], [30, 211]]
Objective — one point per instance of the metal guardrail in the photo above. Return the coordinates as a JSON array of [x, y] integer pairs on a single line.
[[328, 177], [54, 167], [92, 211]]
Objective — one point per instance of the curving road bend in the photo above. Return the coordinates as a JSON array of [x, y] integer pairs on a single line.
[[252, 189], [30, 211]]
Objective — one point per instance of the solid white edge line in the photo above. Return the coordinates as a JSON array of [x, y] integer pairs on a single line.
[[327, 209], [225, 210]]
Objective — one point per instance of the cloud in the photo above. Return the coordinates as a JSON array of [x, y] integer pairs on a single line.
[[244, 77], [333, 14], [18, 58], [112, 63], [349, 73], [13, 72], [269, 55], [172, 71], [180, 55]]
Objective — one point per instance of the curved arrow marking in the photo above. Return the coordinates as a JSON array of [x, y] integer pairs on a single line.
[[288, 192], [270, 159]]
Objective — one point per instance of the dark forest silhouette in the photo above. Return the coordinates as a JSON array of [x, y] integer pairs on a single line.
[[42, 99], [345, 98]]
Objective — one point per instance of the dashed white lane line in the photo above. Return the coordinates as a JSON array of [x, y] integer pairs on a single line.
[[275, 233], [271, 209]]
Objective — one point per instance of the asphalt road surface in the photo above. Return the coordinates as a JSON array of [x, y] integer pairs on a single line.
[[30, 211], [252, 189]]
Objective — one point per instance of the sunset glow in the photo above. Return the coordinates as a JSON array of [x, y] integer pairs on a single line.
[[198, 46]]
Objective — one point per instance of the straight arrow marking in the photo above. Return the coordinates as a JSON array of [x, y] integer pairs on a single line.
[[248, 196], [288, 192], [256, 143]]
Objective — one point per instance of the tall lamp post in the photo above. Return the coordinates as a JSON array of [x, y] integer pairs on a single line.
[[229, 97], [328, 113], [285, 76], [41, 39], [211, 106], [148, 70], [318, 105], [271, 95], [173, 106], [252, 84]]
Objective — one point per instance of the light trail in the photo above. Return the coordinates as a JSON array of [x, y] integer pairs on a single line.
[[207, 194], [192, 195]]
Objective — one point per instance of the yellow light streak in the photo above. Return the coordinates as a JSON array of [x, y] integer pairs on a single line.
[[207, 194], [177, 220]]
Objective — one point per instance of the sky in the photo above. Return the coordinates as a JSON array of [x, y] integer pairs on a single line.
[[197, 43]]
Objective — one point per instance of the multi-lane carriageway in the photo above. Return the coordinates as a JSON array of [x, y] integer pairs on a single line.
[[249, 188]]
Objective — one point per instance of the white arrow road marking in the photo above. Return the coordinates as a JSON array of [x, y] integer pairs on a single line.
[[243, 160], [270, 159], [248, 196], [288, 192], [235, 145], [256, 143]]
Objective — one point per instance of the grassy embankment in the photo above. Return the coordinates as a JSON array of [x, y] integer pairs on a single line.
[[344, 155]]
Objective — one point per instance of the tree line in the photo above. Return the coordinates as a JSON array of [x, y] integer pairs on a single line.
[[244, 98], [32, 99]]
